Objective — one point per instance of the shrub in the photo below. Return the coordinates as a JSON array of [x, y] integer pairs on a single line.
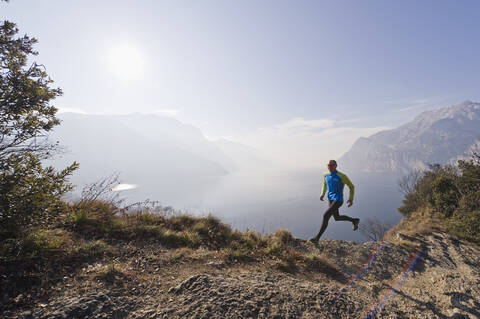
[[181, 222], [452, 192], [428, 189], [213, 232], [277, 245], [29, 193], [465, 224], [445, 195], [283, 236], [274, 249]]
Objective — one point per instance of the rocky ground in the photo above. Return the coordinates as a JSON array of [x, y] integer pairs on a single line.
[[155, 282]]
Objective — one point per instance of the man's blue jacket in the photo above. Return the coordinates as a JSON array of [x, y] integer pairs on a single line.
[[335, 182]]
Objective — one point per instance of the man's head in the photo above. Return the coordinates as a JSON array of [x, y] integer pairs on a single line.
[[332, 165]]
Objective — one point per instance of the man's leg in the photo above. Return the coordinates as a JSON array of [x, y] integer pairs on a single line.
[[326, 216], [338, 217]]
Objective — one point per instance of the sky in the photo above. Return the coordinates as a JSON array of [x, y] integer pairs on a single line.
[[266, 73]]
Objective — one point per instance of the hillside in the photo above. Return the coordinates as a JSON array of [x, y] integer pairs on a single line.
[[436, 136], [149, 266]]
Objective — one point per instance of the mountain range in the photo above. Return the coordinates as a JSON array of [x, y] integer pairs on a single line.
[[167, 159], [437, 136]]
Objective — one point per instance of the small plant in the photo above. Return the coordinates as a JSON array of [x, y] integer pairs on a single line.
[[283, 236], [274, 249]]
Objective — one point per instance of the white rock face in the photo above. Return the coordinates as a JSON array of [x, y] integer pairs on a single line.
[[438, 136]]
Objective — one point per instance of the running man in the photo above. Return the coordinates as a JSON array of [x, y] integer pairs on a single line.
[[334, 181]]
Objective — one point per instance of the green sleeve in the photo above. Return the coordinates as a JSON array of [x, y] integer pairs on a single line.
[[324, 186], [347, 182]]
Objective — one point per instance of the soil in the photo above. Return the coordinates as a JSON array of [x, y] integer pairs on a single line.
[[156, 282]]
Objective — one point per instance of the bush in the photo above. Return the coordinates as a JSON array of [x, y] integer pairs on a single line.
[[432, 188], [213, 232], [29, 193], [469, 184], [451, 192], [283, 236], [445, 195], [465, 224]]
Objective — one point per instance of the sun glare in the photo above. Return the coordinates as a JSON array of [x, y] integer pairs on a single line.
[[124, 187], [126, 62]]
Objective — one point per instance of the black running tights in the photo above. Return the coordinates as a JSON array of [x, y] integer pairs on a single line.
[[333, 207]]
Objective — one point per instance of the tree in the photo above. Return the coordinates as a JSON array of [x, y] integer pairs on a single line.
[[29, 193], [25, 94], [374, 229]]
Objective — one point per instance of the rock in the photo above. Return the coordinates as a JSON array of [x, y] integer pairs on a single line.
[[26, 315], [98, 305]]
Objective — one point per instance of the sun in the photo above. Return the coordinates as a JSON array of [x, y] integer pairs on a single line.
[[126, 61]]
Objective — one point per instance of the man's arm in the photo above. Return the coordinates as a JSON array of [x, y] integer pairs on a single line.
[[324, 188], [347, 182]]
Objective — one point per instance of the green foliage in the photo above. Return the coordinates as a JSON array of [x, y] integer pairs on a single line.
[[435, 187], [25, 94], [411, 203], [469, 184], [445, 195], [30, 193], [452, 193], [465, 224]]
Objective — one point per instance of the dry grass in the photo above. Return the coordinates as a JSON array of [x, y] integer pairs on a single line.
[[422, 222], [92, 234]]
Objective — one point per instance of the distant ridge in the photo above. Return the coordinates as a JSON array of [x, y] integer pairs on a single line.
[[437, 136]]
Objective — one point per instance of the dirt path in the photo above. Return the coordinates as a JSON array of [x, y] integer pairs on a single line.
[[445, 285], [159, 283]]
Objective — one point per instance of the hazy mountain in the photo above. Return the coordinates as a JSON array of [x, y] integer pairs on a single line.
[[168, 131], [437, 136], [148, 150], [242, 156]]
